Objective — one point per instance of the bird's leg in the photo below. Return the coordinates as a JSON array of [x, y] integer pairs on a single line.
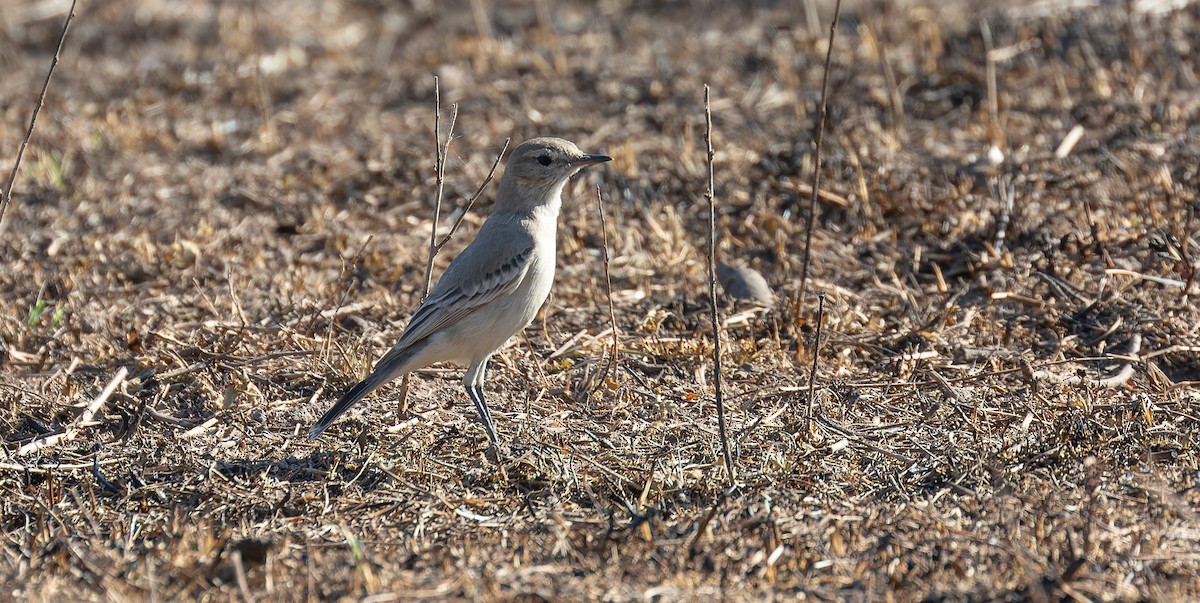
[[485, 416], [473, 381]]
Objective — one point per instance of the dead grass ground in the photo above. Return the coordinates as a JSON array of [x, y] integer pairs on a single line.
[[232, 200]]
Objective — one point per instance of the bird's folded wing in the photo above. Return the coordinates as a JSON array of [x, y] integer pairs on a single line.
[[471, 281]]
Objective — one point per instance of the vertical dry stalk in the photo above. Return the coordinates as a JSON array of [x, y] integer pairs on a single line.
[[6, 194], [483, 20], [262, 97], [895, 98], [712, 292], [810, 17], [441, 149], [816, 173], [812, 375], [612, 313], [1005, 192], [985, 30]]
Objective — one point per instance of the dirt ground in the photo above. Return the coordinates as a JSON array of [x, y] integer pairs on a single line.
[[223, 217]]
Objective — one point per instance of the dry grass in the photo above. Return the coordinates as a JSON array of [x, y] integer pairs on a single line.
[[219, 198]]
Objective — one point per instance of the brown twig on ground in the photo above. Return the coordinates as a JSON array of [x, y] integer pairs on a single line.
[[712, 291], [83, 420], [612, 313], [1117, 379], [816, 173], [6, 195], [239, 570]]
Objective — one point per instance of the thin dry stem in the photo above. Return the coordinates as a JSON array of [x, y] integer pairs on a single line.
[[895, 97], [985, 30], [262, 96], [612, 313], [12, 177], [442, 150], [812, 374], [83, 420], [816, 173], [712, 291]]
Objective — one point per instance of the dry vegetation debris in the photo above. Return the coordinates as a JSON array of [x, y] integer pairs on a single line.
[[231, 202]]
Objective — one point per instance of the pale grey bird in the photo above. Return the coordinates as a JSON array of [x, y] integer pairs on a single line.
[[744, 282], [494, 288]]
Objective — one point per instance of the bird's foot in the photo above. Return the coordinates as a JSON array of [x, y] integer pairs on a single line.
[[497, 453]]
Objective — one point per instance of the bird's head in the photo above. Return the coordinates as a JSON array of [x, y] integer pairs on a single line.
[[537, 168]]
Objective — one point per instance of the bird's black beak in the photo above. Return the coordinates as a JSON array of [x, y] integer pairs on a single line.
[[587, 160]]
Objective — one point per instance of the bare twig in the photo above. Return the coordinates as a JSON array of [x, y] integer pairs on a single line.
[[816, 173], [239, 570], [895, 97], [985, 31], [1169, 282], [812, 375], [6, 195], [1004, 191], [198, 429], [1117, 379], [262, 96], [83, 420], [1069, 141], [442, 149], [51, 468], [811, 19], [712, 291], [612, 313]]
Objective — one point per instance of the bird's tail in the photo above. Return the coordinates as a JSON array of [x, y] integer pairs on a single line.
[[392, 365]]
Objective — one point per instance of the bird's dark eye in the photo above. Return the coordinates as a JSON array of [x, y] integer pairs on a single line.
[[545, 160]]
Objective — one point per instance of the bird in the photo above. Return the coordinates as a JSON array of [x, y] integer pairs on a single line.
[[494, 288], [745, 283]]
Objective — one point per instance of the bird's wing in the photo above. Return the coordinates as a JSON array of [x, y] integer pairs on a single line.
[[479, 275]]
